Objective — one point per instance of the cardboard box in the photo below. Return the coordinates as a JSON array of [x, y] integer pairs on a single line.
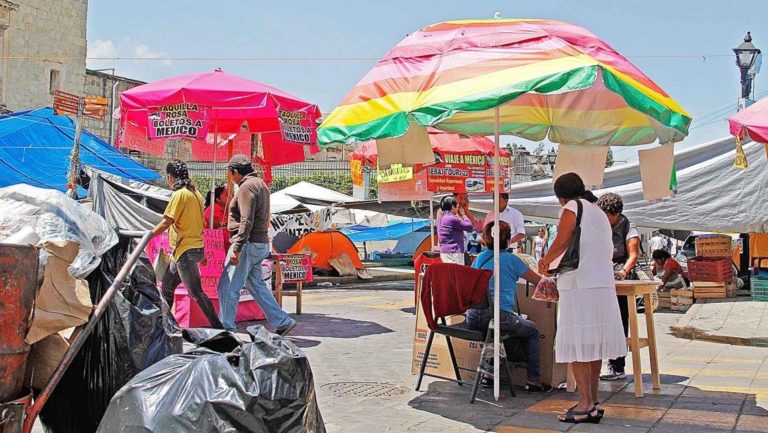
[[544, 314]]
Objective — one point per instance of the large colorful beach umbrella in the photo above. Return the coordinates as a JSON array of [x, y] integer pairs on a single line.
[[532, 78], [751, 122]]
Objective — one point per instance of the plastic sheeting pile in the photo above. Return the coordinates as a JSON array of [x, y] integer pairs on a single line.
[[261, 387], [32, 215]]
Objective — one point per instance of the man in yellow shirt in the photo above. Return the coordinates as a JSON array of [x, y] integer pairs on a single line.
[[184, 217]]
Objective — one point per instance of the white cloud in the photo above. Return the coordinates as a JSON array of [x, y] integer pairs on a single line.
[[121, 55], [101, 49]]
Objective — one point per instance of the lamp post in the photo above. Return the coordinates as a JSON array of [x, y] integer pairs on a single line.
[[748, 61]]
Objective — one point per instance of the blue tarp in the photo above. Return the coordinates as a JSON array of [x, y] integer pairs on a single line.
[[393, 230], [35, 146]]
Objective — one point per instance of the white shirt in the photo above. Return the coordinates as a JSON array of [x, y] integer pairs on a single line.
[[511, 216], [656, 243]]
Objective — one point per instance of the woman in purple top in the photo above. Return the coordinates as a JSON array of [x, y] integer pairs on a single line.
[[450, 230]]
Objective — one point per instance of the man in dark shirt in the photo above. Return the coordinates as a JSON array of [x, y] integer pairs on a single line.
[[248, 224]]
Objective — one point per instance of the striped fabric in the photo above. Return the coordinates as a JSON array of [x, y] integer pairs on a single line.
[[550, 79]]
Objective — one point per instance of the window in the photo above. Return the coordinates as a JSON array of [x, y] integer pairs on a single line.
[[54, 81]]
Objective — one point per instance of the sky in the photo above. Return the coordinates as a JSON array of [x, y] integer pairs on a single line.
[[318, 50]]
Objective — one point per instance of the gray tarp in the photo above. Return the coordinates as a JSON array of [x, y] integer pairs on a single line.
[[713, 196], [127, 204]]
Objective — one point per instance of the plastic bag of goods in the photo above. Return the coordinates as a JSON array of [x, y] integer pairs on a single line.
[[265, 386]]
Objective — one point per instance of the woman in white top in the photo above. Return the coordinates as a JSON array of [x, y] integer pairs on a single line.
[[589, 325], [540, 245]]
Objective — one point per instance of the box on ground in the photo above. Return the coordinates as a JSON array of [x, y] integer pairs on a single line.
[[544, 314]]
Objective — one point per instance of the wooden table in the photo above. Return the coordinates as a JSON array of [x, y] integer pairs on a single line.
[[631, 289]]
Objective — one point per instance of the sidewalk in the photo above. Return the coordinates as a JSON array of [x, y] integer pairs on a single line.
[[378, 274], [359, 344], [737, 321]]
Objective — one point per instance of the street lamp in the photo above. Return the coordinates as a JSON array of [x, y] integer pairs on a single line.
[[746, 57]]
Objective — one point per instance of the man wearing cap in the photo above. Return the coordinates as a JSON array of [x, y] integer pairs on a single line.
[[248, 224]]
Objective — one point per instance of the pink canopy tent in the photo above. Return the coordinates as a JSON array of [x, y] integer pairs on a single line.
[[235, 108], [213, 109], [751, 122]]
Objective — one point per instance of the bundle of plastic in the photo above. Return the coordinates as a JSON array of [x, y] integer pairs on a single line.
[[546, 290]]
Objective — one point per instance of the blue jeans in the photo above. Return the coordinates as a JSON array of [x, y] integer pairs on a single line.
[[247, 274], [516, 327]]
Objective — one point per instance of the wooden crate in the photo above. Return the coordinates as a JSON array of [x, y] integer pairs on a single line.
[[714, 246], [709, 290], [680, 300], [665, 300]]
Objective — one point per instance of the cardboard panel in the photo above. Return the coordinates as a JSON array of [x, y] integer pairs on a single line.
[[544, 314]]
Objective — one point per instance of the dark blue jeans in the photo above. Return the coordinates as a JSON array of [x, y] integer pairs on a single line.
[[517, 327], [186, 271]]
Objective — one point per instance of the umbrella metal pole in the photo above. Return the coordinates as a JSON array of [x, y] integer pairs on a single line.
[[213, 170], [431, 221], [34, 410], [496, 252]]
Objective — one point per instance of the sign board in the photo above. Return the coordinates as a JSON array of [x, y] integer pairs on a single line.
[[183, 120], [356, 166], [395, 173], [466, 174], [187, 312], [67, 103], [296, 268], [296, 126]]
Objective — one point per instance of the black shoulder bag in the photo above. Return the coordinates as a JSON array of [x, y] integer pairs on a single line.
[[570, 260]]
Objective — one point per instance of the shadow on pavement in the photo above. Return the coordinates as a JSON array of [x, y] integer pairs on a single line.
[[409, 310], [322, 325], [451, 401], [303, 343]]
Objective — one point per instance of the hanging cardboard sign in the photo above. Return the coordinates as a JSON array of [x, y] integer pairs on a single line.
[[395, 173], [656, 171], [588, 162], [183, 120]]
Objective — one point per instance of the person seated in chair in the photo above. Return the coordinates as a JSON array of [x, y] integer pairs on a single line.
[[512, 268]]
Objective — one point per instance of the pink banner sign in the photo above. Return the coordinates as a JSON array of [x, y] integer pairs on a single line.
[[296, 126], [187, 313], [297, 268], [184, 120]]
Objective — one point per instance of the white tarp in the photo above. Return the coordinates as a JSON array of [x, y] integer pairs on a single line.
[[713, 196]]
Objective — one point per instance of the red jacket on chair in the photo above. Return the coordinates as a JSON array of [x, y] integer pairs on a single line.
[[450, 289]]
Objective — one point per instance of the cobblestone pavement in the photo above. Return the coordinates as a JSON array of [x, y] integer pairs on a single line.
[[359, 339]]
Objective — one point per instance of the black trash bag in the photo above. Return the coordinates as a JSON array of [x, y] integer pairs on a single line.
[[131, 335], [264, 386]]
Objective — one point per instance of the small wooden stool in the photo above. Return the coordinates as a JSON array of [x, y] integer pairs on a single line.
[[279, 292], [631, 289]]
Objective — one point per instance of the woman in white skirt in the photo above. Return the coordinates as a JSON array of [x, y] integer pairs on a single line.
[[589, 323]]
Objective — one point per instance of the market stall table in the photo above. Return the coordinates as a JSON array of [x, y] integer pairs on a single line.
[[631, 289]]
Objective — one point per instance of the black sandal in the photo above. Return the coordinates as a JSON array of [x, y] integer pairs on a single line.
[[570, 416], [600, 412]]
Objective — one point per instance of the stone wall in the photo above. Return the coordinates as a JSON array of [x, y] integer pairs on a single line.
[[48, 39], [100, 84]]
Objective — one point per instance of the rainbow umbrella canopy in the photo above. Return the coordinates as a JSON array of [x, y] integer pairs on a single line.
[[751, 122], [550, 79], [535, 79]]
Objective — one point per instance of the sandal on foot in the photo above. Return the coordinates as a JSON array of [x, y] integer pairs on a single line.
[[571, 414], [600, 411], [542, 387]]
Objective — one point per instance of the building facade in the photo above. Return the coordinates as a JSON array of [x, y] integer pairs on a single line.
[[106, 85], [43, 46]]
